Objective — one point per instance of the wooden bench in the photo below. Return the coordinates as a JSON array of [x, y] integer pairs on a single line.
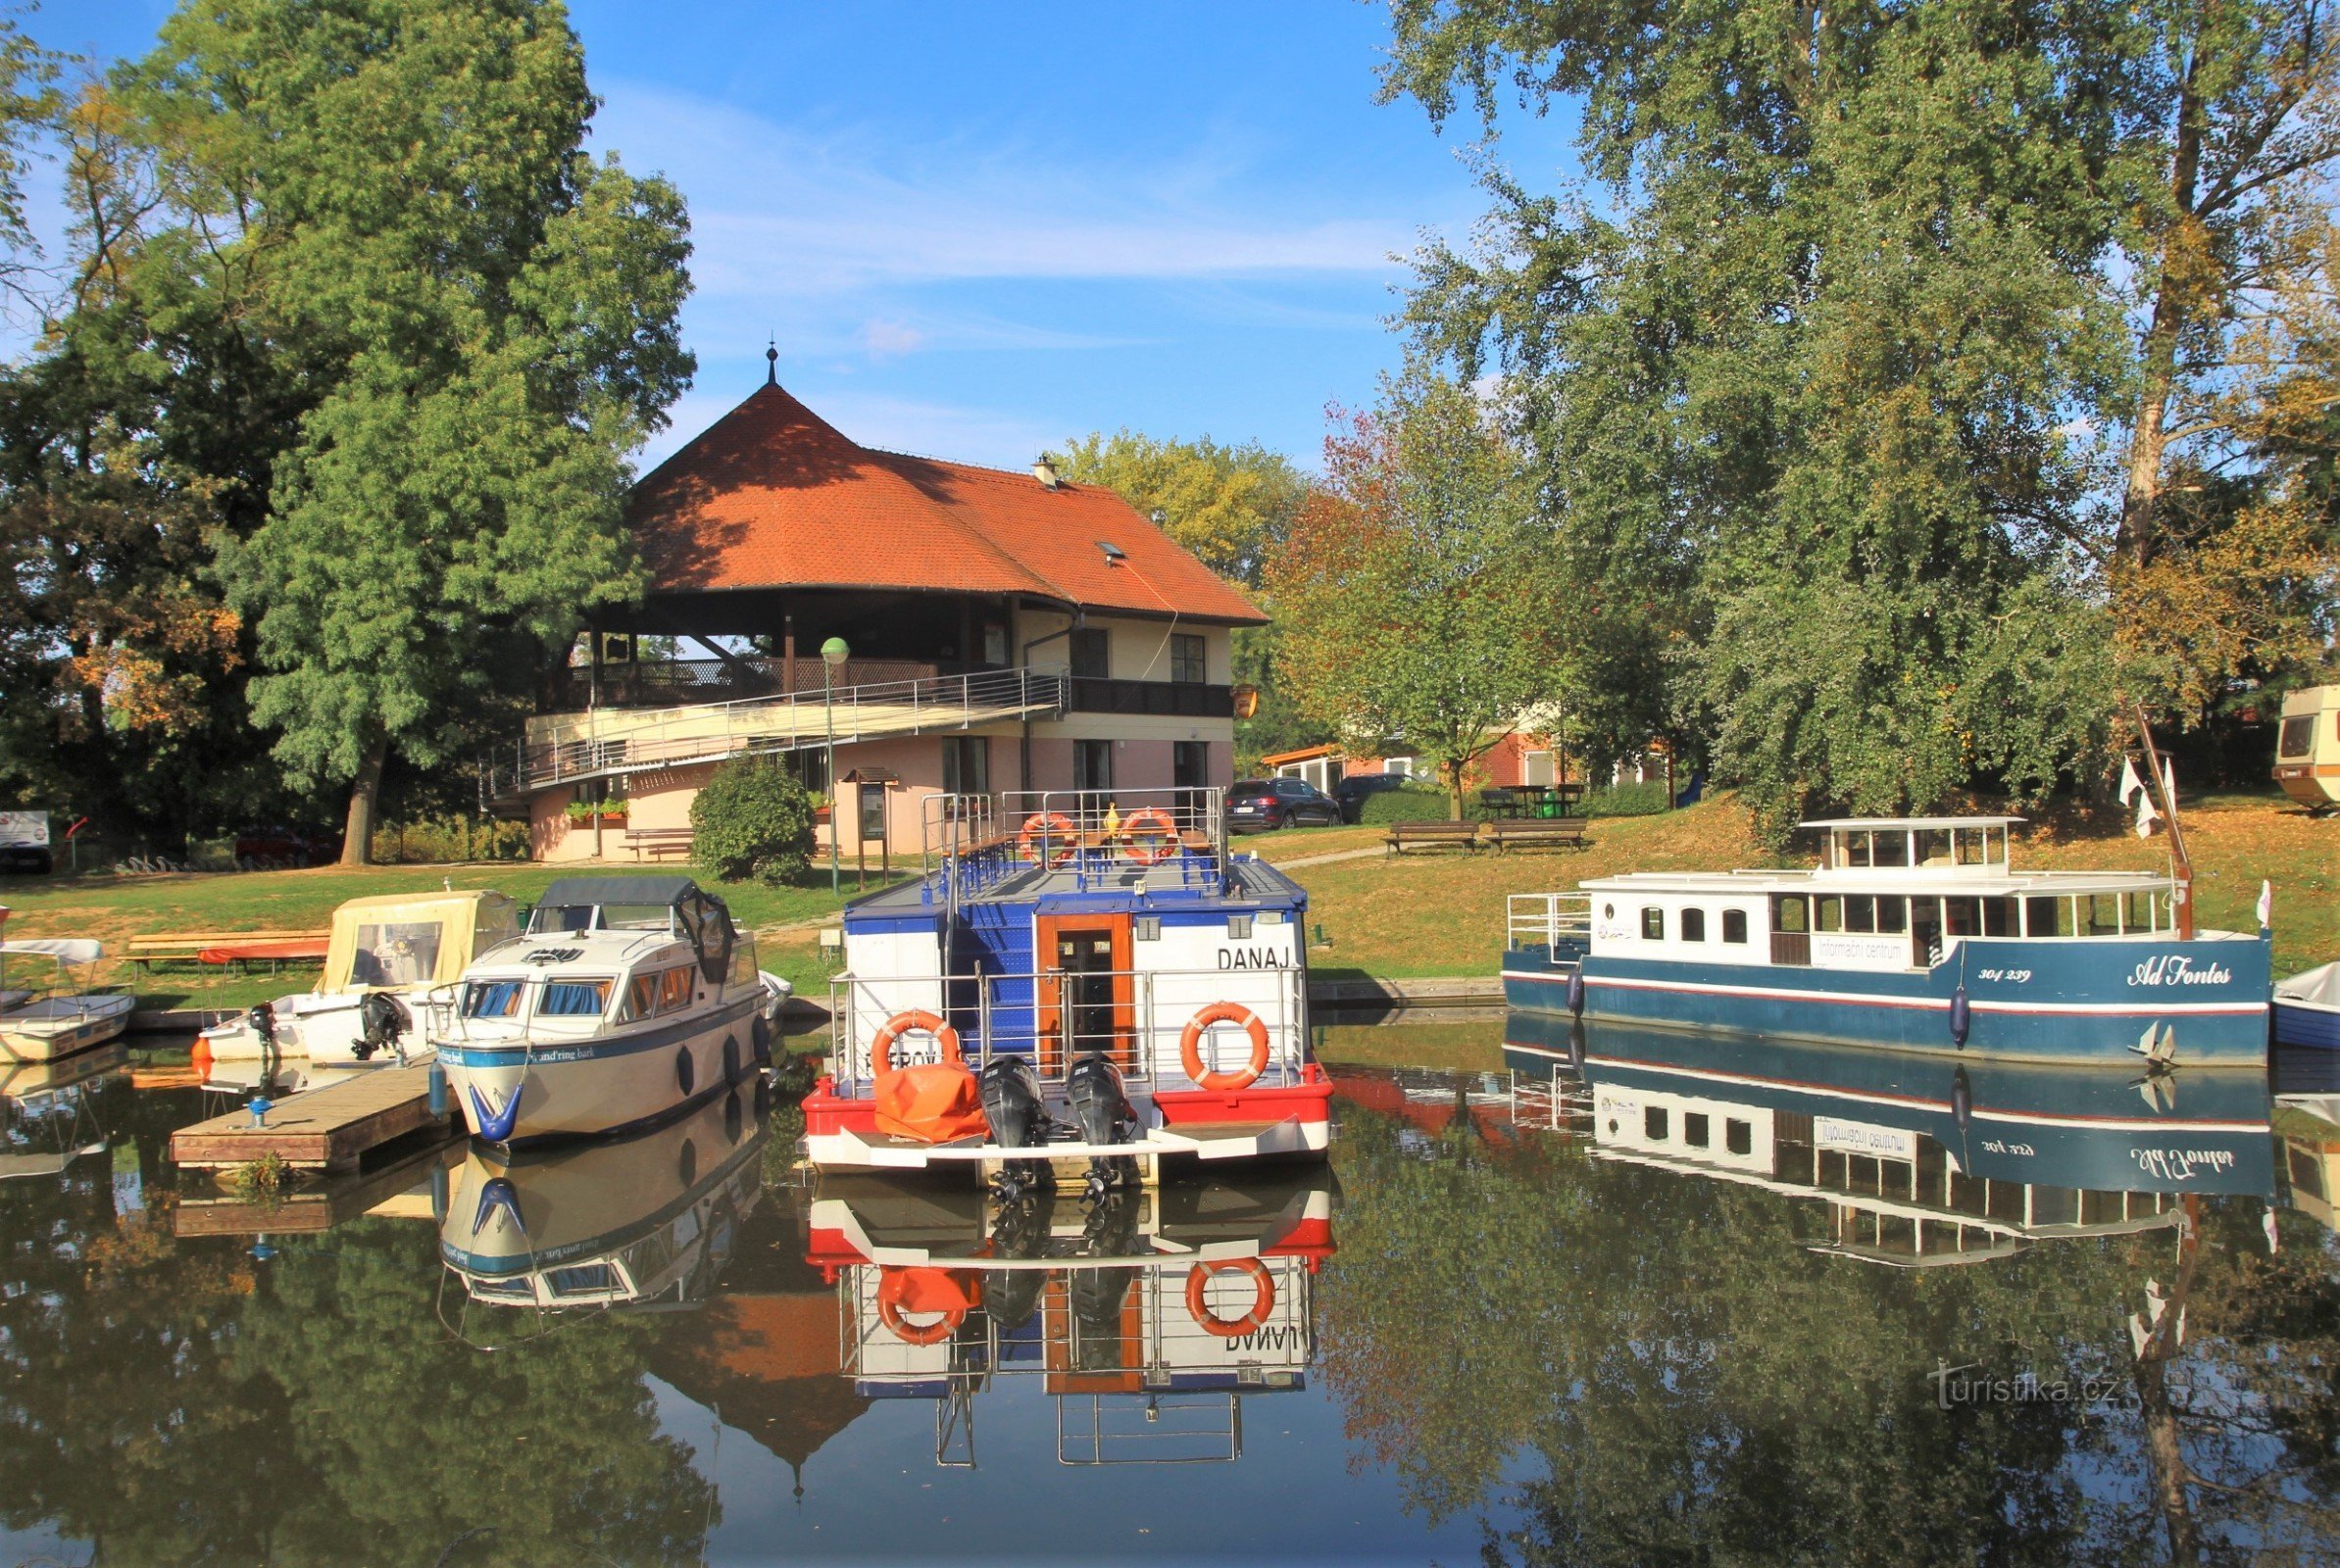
[[659, 841], [163, 946], [1562, 832], [1436, 835]]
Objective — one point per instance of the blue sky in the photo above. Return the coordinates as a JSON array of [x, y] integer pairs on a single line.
[[975, 231]]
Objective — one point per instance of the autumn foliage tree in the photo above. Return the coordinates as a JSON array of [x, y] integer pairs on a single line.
[[1410, 593]]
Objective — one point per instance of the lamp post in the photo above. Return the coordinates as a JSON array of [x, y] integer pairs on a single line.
[[834, 654]]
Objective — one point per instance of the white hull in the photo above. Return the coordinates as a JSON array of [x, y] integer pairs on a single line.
[[59, 1026], [325, 1028], [581, 1088]]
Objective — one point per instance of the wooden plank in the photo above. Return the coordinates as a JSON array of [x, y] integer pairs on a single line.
[[328, 1128]]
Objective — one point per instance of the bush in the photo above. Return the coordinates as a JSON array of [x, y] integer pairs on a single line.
[[1412, 802], [437, 841], [1626, 800], [753, 819]]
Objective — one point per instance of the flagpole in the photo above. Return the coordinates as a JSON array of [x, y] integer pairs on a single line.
[[2183, 863]]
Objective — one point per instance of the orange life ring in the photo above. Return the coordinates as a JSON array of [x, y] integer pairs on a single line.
[[1164, 837], [1263, 1298], [1190, 1045], [892, 1301], [946, 1038], [1053, 826]]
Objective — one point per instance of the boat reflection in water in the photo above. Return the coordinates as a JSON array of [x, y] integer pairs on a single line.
[[642, 1222], [50, 1111], [1921, 1161], [1150, 1315]]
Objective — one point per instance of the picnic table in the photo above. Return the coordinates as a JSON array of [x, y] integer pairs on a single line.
[[1548, 800]]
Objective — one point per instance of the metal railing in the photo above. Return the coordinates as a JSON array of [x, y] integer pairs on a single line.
[[1137, 1018], [1562, 922], [1128, 839], [755, 725]]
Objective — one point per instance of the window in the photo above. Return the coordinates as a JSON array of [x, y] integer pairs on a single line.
[[1933, 846], [1855, 848], [674, 990], [808, 767], [1653, 924], [641, 996], [2047, 917], [1998, 917], [2299, 735], [1828, 914], [995, 644], [1961, 917], [1652, 1124], [1190, 764], [1694, 925], [492, 999], [2104, 914], [1238, 928], [1398, 766], [1860, 914], [1734, 925], [1092, 764], [1146, 928], [1092, 652], [965, 765], [1893, 916], [1971, 846], [1694, 1129], [397, 955], [1737, 1136], [743, 961], [1186, 659], [1890, 849], [1789, 913], [574, 999], [2137, 914]]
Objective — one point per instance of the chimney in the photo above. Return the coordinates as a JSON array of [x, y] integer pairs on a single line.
[[1044, 471]]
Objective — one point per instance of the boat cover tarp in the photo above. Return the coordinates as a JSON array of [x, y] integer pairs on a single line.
[[414, 938], [2318, 987], [935, 1102], [642, 887], [64, 950]]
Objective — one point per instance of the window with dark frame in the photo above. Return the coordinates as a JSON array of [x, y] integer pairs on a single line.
[[1653, 923], [1734, 925], [1186, 659], [1694, 925], [1092, 764], [965, 765], [1091, 654]]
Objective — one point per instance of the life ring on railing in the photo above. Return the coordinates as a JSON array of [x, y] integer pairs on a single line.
[[1157, 842], [1263, 1298], [946, 1038], [1050, 828], [893, 1293], [1190, 1045]]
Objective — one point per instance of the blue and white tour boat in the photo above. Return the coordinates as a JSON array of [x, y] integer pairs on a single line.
[[1912, 932]]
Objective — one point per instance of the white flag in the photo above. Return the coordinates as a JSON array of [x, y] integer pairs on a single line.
[[2267, 906], [2169, 783], [2131, 781], [2146, 817]]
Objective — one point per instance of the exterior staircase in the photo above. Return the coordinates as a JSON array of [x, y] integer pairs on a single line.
[[610, 742]]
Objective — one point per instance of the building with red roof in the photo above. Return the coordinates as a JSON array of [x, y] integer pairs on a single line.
[[1002, 631]]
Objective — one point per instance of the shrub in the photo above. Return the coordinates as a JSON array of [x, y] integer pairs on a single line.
[[1412, 802], [753, 819], [434, 840], [1626, 800]]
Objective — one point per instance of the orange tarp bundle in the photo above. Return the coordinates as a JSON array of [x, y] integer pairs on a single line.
[[934, 1104]]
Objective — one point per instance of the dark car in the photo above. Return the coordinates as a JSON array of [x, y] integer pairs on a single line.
[[265, 849], [1257, 805], [1352, 791]]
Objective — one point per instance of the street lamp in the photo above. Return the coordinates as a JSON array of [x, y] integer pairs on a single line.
[[834, 654]]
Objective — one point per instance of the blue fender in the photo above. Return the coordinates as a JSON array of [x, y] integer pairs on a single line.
[[496, 1126], [1962, 1017]]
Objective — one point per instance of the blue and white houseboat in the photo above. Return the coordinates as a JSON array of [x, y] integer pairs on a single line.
[[1912, 932], [1082, 976]]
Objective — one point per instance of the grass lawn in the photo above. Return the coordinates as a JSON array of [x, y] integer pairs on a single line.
[[113, 908], [1441, 913]]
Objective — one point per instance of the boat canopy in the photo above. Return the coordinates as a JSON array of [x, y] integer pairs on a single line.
[[415, 938], [2320, 986], [697, 915], [64, 950]]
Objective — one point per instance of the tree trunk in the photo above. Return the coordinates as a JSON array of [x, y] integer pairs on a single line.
[[2171, 306], [2165, 1448], [357, 838]]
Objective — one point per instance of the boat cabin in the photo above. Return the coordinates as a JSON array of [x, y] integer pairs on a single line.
[[606, 952], [395, 941]]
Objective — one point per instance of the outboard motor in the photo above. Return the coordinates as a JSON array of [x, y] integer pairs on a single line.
[[1012, 1295], [263, 1019], [1012, 1108], [382, 1021], [1102, 1107]]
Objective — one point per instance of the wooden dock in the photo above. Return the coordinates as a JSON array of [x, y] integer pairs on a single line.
[[327, 1129]]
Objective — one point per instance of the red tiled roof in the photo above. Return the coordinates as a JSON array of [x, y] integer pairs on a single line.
[[771, 495]]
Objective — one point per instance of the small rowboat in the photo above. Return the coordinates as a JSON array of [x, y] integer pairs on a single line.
[[2307, 1009]]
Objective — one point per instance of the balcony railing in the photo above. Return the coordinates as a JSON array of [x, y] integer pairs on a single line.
[[1170, 699], [672, 682]]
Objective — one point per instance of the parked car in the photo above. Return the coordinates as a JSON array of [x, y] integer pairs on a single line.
[[1352, 791], [260, 849], [1258, 804]]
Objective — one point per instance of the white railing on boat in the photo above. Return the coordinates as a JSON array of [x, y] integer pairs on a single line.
[[1548, 919], [1139, 1022]]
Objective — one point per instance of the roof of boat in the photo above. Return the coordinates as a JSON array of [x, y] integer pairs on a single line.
[[1250, 881], [422, 895], [541, 951], [1925, 882], [649, 887], [1918, 822], [64, 950]]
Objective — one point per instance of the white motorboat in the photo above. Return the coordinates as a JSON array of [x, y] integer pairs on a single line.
[[385, 955], [47, 1010], [628, 999]]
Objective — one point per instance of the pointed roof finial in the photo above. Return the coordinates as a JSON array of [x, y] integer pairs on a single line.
[[771, 362]]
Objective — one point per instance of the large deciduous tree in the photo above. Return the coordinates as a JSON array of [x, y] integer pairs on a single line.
[[1408, 591], [495, 312], [1227, 504]]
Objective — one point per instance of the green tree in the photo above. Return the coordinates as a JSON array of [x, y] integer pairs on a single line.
[[1227, 504], [1409, 593], [498, 313]]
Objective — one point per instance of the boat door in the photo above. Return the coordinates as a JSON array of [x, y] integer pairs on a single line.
[[1084, 990]]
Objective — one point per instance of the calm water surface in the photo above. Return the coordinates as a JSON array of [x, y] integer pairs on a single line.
[[1623, 1298]]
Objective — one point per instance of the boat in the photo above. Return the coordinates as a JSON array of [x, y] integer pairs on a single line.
[[49, 1111], [1150, 1315], [627, 1000], [2307, 1009], [1921, 1161], [384, 957], [1082, 984], [2308, 748], [47, 1012], [639, 1222], [1915, 933]]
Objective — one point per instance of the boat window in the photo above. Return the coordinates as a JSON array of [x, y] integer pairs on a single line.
[[1653, 923], [1737, 1136], [641, 997], [743, 961], [1933, 846], [2104, 914], [1893, 916], [574, 999], [582, 1279], [565, 918], [1859, 913], [1734, 925], [2047, 916], [2138, 916], [1789, 913], [1694, 925], [1971, 846], [636, 917], [1694, 1129], [1892, 849], [1855, 851], [1653, 1123], [1608, 912], [674, 990], [1961, 917], [401, 954], [492, 999], [1998, 917], [1828, 914]]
